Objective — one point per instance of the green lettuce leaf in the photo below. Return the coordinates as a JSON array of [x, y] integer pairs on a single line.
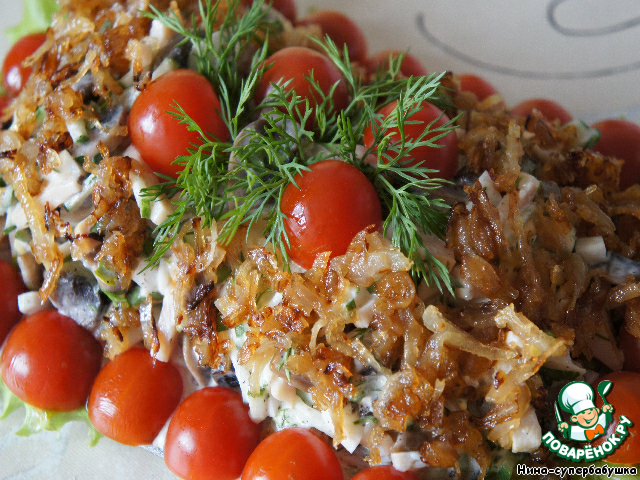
[[36, 18], [36, 420]]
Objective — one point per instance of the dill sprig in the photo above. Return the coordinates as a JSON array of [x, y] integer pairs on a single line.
[[402, 186], [366, 99], [221, 39], [206, 163], [203, 173], [268, 156], [241, 184]]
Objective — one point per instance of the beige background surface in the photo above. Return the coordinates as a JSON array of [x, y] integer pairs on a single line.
[[581, 53]]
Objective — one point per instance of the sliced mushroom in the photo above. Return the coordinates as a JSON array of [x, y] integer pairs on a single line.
[[76, 296], [105, 132], [228, 380], [619, 267], [84, 86]]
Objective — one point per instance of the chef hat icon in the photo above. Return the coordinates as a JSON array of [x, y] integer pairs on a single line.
[[576, 397]]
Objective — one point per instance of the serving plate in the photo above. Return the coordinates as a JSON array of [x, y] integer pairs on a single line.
[[580, 53]]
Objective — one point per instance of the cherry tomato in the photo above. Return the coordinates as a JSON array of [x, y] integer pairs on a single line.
[[157, 135], [49, 362], [293, 453], [550, 109], [10, 287], [621, 139], [133, 396], [410, 66], [630, 346], [285, 7], [342, 30], [14, 75], [210, 436], [625, 400], [444, 159], [4, 102], [335, 201], [296, 63], [384, 472], [477, 85]]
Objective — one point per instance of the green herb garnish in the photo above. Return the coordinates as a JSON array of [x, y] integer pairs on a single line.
[[37, 420], [220, 327], [240, 329], [242, 184], [217, 57], [367, 419], [551, 375], [285, 357], [117, 298]]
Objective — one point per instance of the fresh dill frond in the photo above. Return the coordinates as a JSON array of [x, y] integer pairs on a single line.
[[222, 40], [240, 185], [235, 105], [202, 175], [403, 187], [387, 87], [267, 157], [204, 167]]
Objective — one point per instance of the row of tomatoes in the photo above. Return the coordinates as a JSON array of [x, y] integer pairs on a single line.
[[52, 363]]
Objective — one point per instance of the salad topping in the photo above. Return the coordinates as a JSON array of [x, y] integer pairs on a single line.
[[398, 262]]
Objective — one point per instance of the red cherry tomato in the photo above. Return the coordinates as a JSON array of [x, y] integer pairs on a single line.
[[630, 346], [342, 30], [335, 201], [410, 66], [14, 75], [444, 159], [621, 139], [210, 436], [157, 135], [477, 85], [4, 102], [550, 109], [133, 396], [296, 63], [384, 472], [49, 362], [10, 287], [625, 400], [285, 7], [293, 453]]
